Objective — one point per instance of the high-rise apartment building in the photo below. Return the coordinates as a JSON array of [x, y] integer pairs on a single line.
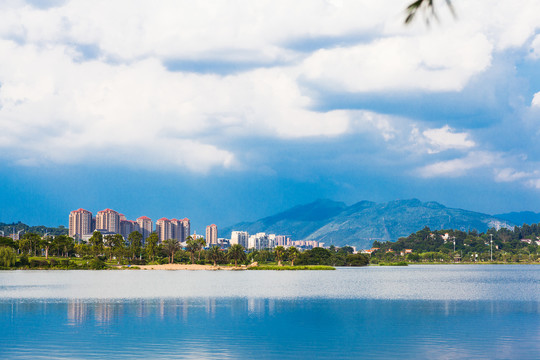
[[145, 226], [211, 235], [187, 228], [80, 223], [177, 230], [283, 240], [240, 237], [164, 229], [108, 220], [127, 227]]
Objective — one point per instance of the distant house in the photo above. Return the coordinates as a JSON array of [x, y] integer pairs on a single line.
[[406, 251]]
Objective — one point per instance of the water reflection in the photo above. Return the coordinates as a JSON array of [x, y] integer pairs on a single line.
[[79, 312], [271, 328]]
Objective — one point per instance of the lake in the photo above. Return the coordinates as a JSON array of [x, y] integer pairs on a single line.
[[414, 312]]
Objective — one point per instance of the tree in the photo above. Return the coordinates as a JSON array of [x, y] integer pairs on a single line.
[[191, 247], [236, 253], [63, 244], [151, 246], [171, 246], [215, 254], [357, 260], [293, 253], [135, 243], [29, 243], [201, 243], [46, 243], [7, 241], [279, 251], [119, 245], [96, 241], [109, 244], [7, 256]]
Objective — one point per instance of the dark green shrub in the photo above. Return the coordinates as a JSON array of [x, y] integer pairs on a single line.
[[357, 260], [23, 260]]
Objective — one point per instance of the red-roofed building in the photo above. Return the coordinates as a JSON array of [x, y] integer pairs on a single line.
[[80, 223], [145, 226], [211, 235], [108, 220], [164, 229]]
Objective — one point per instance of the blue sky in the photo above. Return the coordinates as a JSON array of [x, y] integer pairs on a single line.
[[231, 111]]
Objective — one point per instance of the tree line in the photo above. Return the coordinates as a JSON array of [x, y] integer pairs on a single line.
[[99, 250], [448, 245]]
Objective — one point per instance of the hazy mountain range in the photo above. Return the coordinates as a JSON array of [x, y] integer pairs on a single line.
[[360, 224]]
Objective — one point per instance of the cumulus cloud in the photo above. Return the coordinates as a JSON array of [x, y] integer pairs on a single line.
[[458, 167], [510, 175], [431, 62], [445, 138], [88, 81], [536, 100]]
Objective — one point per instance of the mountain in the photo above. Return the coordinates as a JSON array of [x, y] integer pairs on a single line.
[[298, 222], [521, 217], [364, 222], [40, 229]]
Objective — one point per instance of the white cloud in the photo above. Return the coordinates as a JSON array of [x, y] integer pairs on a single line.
[[536, 100], [510, 175], [430, 62], [458, 167], [534, 49], [124, 106], [444, 139]]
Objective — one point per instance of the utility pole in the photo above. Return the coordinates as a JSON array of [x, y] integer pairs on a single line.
[[491, 247], [454, 244]]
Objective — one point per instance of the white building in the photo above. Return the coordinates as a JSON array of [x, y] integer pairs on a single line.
[[240, 237]]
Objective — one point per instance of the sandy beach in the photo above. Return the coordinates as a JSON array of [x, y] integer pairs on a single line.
[[189, 267]]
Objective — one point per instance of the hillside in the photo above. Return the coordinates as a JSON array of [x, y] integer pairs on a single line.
[[364, 222], [521, 217]]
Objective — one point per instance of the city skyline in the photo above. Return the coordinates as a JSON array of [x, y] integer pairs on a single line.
[[232, 112]]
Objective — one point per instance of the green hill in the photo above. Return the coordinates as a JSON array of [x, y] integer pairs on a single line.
[[364, 222]]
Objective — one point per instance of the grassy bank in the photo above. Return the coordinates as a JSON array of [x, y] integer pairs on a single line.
[[286, 267], [400, 263]]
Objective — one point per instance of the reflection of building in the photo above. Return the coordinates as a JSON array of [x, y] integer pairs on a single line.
[[80, 223], [211, 235], [108, 220], [77, 312]]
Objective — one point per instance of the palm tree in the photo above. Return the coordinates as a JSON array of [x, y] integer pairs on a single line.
[[427, 7], [293, 254], [171, 246], [215, 254], [279, 251], [236, 253], [191, 246], [201, 243]]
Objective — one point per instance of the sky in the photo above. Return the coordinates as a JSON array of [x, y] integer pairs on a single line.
[[229, 111]]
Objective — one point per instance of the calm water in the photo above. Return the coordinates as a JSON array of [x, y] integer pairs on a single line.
[[446, 312]]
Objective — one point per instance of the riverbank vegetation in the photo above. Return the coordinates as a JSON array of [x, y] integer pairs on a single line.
[[503, 246], [33, 251]]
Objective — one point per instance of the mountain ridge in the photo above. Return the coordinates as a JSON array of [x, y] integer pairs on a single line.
[[362, 223]]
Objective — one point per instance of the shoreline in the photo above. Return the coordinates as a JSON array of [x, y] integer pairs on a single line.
[[184, 267]]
